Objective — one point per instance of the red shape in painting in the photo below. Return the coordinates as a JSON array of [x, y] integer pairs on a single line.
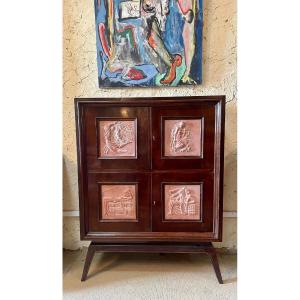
[[103, 39], [135, 74]]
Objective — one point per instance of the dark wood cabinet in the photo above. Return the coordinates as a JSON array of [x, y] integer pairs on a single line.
[[151, 173]]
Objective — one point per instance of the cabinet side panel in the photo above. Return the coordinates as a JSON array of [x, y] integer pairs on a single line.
[[81, 166]]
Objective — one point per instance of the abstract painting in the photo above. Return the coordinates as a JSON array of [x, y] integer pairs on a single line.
[[148, 42]]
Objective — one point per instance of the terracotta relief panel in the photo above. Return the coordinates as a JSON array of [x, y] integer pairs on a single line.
[[117, 138], [118, 202], [182, 137], [182, 202]]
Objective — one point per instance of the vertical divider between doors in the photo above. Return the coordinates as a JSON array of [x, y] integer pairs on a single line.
[[150, 157]]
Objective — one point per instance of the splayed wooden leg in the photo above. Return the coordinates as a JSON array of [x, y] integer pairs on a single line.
[[88, 260], [214, 260]]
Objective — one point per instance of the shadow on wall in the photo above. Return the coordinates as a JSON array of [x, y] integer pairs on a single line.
[[71, 230], [230, 182], [70, 185]]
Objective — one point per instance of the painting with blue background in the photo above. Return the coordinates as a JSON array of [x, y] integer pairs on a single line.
[[130, 52]]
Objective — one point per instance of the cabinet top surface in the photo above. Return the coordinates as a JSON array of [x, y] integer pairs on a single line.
[[152, 100]]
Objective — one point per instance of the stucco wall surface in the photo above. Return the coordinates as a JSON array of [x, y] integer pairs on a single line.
[[80, 80]]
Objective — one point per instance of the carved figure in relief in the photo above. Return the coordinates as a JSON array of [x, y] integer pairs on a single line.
[[181, 202], [180, 138], [117, 135], [120, 206]]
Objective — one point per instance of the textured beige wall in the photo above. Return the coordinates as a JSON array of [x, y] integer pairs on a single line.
[[80, 80]]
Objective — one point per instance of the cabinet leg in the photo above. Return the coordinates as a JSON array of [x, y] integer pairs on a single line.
[[214, 260], [207, 248], [89, 257]]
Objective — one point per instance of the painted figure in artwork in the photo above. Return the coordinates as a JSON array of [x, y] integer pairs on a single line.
[[155, 13], [188, 10], [149, 42]]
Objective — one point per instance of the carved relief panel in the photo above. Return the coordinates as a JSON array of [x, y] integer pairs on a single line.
[[182, 201], [117, 138], [118, 202], [183, 137]]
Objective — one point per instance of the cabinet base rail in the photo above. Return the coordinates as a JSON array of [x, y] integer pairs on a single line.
[[205, 248]]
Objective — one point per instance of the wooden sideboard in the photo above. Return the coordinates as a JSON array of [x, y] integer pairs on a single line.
[[150, 173]]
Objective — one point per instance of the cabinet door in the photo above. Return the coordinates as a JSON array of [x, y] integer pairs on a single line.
[[117, 202], [182, 202], [116, 137], [184, 137]]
